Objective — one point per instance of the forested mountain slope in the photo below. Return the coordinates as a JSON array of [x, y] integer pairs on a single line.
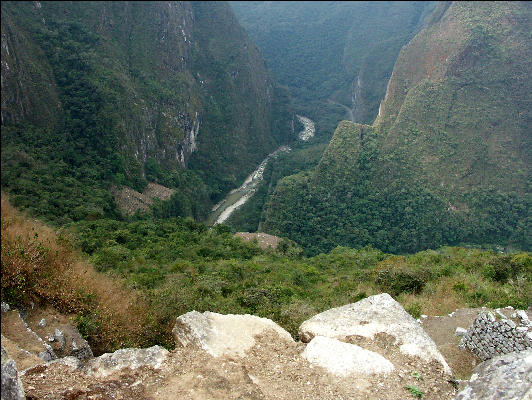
[[339, 50], [95, 93], [447, 160]]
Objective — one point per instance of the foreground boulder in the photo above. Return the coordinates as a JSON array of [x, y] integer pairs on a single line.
[[344, 359], [369, 317], [505, 377], [11, 385], [109, 363], [220, 335]]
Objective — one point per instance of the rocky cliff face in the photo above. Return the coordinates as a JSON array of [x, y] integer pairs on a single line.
[[457, 99], [160, 81], [448, 158]]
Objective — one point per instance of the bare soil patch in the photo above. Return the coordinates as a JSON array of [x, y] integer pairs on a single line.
[[264, 240]]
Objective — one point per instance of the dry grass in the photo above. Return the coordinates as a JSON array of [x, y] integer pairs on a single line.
[[39, 266], [438, 299]]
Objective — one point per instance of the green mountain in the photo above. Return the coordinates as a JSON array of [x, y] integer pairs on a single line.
[[343, 51], [448, 159], [101, 93]]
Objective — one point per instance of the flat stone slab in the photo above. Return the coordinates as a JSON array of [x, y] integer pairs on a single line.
[[345, 359], [108, 363], [221, 335], [506, 377], [375, 314]]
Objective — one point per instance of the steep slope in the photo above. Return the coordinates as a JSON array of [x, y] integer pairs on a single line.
[[339, 50], [129, 91], [448, 158]]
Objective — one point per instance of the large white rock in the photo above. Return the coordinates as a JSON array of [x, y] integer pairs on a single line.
[[108, 363], [344, 359], [221, 335], [375, 314]]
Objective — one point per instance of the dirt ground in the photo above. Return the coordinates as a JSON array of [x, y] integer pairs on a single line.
[[264, 240], [130, 200], [272, 369]]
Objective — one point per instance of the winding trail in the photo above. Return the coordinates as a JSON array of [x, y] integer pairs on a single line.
[[349, 111]]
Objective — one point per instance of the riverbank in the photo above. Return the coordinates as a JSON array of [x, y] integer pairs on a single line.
[[238, 197]]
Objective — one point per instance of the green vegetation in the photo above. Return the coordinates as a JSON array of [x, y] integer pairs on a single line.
[[319, 49], [174, 266], [86, 106], [182, 265], [414, 390], [446, 163]]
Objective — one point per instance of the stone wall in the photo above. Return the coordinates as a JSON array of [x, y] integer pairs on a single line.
[[489, 336]]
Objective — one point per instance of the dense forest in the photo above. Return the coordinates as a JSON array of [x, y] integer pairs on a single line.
[[343, 51], [448, 159], [96, 95]]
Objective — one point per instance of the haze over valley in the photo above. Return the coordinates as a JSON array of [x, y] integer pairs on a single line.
[[281, 159]]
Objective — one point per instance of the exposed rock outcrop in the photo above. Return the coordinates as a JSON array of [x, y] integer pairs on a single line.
[[16, 329], [11, 384], [344, 359], [109, 363], [221, 335], [369, 317], [505, 377], [240, 356], [264, 240], [129, 200]]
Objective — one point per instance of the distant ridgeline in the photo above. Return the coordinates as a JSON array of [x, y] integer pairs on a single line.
[[448, 159], [342, 50], [102, 93]]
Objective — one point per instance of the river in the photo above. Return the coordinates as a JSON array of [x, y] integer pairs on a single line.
[[239, 196]]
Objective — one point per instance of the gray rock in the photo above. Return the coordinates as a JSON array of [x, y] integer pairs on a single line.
[[506, 377], [375, 314], [69, 361], [460, 331], [59, 336], [5, 307], [12, 388], [523, 317], [221, 335], [42, 323], [109, 363], [345, 359]]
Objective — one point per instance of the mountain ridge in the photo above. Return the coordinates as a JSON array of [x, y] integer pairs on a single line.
[[447, 159]]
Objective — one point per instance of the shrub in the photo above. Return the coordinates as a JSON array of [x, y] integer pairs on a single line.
[[396, 276], [414, 309]]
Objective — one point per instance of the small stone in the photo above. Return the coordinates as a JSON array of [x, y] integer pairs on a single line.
[[59, 336], [5, 307], [523, 317], [42, 323], [460, 331]]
